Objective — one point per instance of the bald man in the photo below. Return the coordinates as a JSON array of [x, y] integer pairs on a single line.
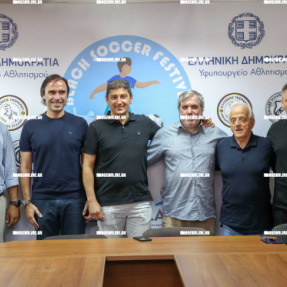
[[243, 159]]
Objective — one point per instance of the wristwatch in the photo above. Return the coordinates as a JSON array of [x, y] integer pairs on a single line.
[[26, 202], [16, 203]]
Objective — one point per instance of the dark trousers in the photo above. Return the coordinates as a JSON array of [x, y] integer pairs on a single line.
[[60, 217]]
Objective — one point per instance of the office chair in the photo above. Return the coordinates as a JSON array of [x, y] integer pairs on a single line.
[[75, 236], [174, 232], [283, 233]]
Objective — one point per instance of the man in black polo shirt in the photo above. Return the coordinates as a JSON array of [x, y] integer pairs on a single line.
[[277, 135], [243, 159], [115, 164]]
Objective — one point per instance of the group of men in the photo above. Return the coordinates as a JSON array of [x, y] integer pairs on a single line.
[[100, 172]]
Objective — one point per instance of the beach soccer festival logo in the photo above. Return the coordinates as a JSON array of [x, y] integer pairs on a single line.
[[155, 75], [8, 32], [246, 30]]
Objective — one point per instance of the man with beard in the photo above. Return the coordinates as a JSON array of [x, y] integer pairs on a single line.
[[53, 144], [188, 150]]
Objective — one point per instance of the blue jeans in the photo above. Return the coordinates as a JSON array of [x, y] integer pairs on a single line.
[[231, 232], [227, 231], [60, 217]]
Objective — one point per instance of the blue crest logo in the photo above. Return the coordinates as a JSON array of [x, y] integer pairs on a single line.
[[246, 30], [8, 32]]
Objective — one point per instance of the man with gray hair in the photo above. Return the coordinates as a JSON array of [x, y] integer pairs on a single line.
[[188, 150], [243, 159]]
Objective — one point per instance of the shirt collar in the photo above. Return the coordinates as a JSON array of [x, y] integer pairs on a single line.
[[181, 127], [251, 143], [132, 117]]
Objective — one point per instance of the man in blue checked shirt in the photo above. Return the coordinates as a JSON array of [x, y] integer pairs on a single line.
[[7, 182], [188, 150]]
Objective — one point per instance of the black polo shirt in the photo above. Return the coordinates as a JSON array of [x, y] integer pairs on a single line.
[[246, 195], [277, 134], [121, 159]]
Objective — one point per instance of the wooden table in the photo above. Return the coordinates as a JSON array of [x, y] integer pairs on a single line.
[[180, 261]]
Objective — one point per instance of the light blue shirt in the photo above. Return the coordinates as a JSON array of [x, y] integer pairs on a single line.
[[7, 157], [185, 155]]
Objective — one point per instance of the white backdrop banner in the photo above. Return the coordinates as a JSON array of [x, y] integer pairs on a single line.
[[227, 51]]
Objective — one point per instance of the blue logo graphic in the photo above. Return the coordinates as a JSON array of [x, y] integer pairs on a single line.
[[8, 32], [155, 75], [246, 30]]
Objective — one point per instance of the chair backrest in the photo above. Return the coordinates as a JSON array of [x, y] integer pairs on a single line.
[[174, 232], [75, 236], [282, 232]]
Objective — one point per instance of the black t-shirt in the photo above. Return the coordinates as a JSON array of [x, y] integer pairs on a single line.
[[121, 159], [56, 149], [277, 134]]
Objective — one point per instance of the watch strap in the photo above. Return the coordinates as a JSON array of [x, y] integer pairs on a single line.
[[15, 202], [26, 202]]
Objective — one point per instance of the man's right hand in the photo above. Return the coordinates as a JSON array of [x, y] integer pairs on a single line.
[[95, 211], [31, 210]]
